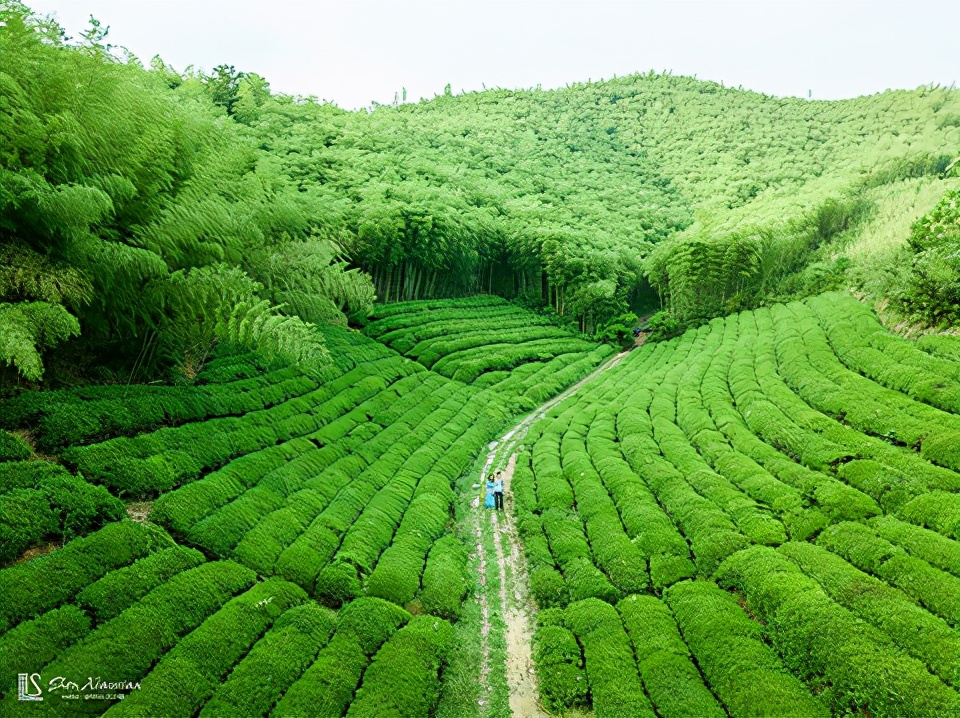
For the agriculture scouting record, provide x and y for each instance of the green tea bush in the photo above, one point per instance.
(274, 663)
(646, 524)
(181, 509)
(13, 447)
(194, 668)
(444, 582)
(337, 584)
(928, 545)
(467, 365)
(397, 574)
(262, 545)
(222, 530)
(937, 510)
(33, 644)
(404, 677)
(27, 590)
(27, 474)
(612, 549)
(744, 672)
(43, 501)
(925, 637)
(67, 418)
(120, 589)
(169, 457)
(615, 687)
(563, 682)
(25, 519)
(328, 685)
(944, 346)
(823, 642)
(472, 336)
(937, 590)
(862, 344)
(713, 536)
(302, 560)
(126, 647)
(669, 674)
(891, 488)
(548, 587)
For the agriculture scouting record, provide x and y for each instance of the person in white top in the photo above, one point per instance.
(498, 491)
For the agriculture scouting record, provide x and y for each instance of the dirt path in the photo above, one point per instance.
(517, 610)
(516, 606)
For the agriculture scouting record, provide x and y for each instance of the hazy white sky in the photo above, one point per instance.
(356, 52)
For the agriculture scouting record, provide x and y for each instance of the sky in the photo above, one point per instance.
(359, 52)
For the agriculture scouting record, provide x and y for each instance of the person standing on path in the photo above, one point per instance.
(488, 501)
(498, 491)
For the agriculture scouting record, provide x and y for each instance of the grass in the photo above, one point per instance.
(873, 252)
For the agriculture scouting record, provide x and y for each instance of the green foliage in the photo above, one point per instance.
(672, 680)
(59, 419)
(35, 643)
(129, 208)
(13, 447)
(328, 685)
(187, 675)
(404, 677)
(127, 647)
(274, 663)
(563, 683)
(120, 589)
(27, 592)
(25, 518)
(664, 325)
(927, 638)
(29, 328)
(200, 223)
(931, 290)
(444, 578)
(946, 346)
(825, 643)
(337, 584)
(618, 329)
(221, 304)
(746, 674)
(483, 341)
(615, 687)
(27, 474)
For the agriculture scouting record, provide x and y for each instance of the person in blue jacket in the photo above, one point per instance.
(498, 491)
(489, 501)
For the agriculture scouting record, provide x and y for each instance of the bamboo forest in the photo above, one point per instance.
(635, 397)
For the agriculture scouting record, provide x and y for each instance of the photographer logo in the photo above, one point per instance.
(28, 687)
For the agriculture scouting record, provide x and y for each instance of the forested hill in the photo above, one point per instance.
(485, 190)
(148, 213)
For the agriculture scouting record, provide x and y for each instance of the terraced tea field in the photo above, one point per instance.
(760, 517)
(487, 342)
(337, 491)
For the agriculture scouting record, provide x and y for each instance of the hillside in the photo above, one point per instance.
(259, 357)
(523, 357)
(184, 209)
(755, 510)
(799, 464)
(565, 193)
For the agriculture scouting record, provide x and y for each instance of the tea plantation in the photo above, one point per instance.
(759, 517)
(300, 556)
(488, 342)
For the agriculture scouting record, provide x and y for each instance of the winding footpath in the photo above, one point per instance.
(513, 597)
